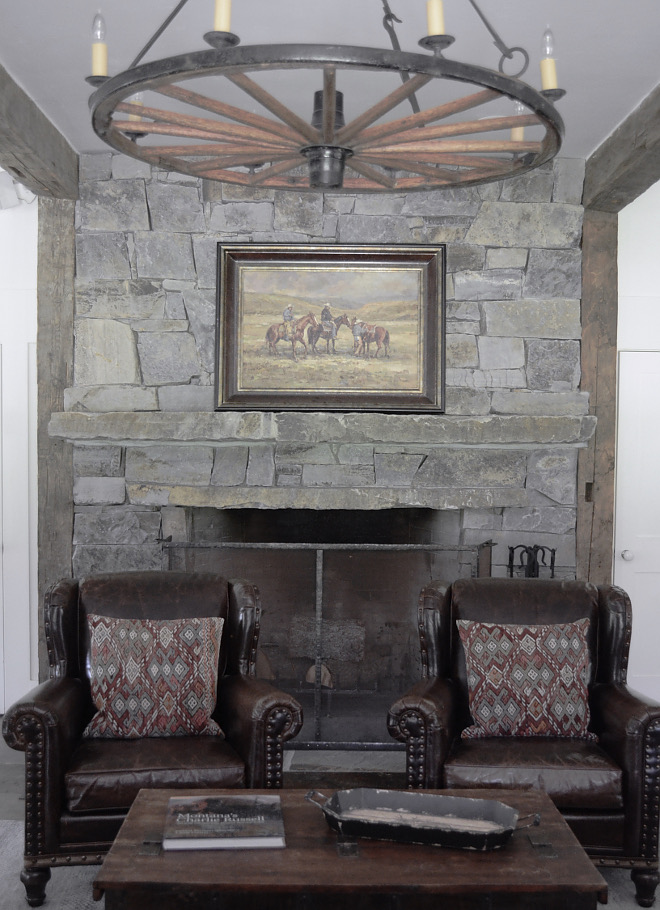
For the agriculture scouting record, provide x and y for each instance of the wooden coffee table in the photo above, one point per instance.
(541, 867)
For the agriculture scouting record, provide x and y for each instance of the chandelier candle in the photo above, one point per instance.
(99, 47)
(435, 17)
(548, 63)
(222, 20)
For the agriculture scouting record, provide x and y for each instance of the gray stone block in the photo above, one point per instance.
(174, 308)
(298, 212)
(486, 379)
(239, 217)
(102, 256)
(569, 180)
(260, 467)
(116, 525)
(554, 273)
(346, 475)
(374, 229)
(501, 353)
(139, 299)
(462, 257)
(482, 519)
(288, 475)
(559, 404)
(161, 255)
(473, 468)
(94, 560)
(186, 398)
(229, 466)
(533, 318)
(455, 201)
(553, 365)
(551, 520)
(468, 310)
(466, 402)
(169, 464)
(175, 208)
(507, 258)
(92, 491)
(127, 168)
(98, 461)
(355, 454)
(105, 398)
(299, 453)
(378, 204)
(97, 166)
(499, 284)
(174, 523)
(535, 224)
(553, 473)
(337, 204)
(534, 186)
(168, 357)
(105, 353)
(235, 192)
(205, 249)
(396, 470)
(113, 206)
(462, 351)
(200, 307)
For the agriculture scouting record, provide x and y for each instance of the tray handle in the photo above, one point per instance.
(533, 823)
(309, 796)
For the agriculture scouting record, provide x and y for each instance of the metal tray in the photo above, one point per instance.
(419, 818)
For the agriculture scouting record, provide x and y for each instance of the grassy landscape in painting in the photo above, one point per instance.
(259, 370)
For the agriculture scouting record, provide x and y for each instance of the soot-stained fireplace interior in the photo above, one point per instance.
(339, 594)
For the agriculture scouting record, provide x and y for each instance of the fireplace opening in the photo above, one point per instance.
(339, 592)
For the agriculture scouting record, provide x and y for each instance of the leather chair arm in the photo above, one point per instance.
(46, 724)
(628, 726)
(424, 719)
(257, 719)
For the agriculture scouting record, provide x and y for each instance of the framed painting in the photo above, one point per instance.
(335, 328)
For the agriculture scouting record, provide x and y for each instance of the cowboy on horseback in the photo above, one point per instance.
(287, 315)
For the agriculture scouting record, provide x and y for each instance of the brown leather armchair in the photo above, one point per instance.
(78, 791)
(607, 791)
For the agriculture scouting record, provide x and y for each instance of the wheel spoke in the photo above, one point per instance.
(348, 132)
(271, 104)
(487, 125)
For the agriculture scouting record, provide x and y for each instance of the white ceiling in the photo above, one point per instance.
(607, 51)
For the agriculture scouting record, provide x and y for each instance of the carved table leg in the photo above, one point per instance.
(646, 881)
(35, 881)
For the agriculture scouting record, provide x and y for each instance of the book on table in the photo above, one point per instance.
(223, 822)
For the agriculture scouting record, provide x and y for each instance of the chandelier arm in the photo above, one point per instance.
(371, 173)
(348, 132)
(150, 43)
(217, 128)
(274, 106)
(249, 118)
(492, 124)
(388, 24)
(428, 116)
(507, 52)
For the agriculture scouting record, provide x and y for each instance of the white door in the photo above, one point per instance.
(637, 510)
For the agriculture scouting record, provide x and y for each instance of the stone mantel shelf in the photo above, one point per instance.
(353, 428)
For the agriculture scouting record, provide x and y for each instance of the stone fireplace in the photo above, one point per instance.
(160, 478)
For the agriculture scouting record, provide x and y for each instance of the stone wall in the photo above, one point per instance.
(148, 446)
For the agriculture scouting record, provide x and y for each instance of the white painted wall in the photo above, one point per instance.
(18, 465)
(639, 331)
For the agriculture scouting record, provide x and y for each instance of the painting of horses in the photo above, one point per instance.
(330, 327)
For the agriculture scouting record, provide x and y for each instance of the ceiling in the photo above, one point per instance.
(607, 52)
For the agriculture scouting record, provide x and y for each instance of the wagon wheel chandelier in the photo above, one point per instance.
(175, 114)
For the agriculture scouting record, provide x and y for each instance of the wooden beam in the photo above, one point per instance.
(595, 501)
(628, 162)
(55, 276)
(31, 149)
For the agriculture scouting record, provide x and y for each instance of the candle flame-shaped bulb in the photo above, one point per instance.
(98, 28)
(548, 43)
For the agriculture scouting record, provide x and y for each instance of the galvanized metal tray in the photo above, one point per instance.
(420, 818)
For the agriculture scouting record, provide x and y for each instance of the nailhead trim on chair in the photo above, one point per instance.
(651, 794)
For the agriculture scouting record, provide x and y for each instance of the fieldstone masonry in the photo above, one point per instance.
(148, 446)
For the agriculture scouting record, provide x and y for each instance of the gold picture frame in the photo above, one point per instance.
(304, 327)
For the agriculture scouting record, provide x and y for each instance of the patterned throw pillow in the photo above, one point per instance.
(154, 678)
(527, 680)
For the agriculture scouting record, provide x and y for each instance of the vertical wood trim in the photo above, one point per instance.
(55, 278)
(595, 519)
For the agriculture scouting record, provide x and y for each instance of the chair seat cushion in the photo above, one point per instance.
(575, 774)
(106, 774)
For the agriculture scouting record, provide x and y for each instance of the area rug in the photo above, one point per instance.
(69, 888)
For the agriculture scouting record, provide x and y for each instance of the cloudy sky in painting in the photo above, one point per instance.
(348, 288)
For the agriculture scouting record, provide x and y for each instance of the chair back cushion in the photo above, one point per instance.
(520, 602)
(149, 595)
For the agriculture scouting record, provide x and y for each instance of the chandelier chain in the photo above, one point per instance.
(388, 24)
(507, 52)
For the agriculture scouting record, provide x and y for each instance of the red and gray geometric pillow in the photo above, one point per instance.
(527, 680)
(154, 677)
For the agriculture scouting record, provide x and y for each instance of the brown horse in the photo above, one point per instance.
(379, 335)
(316, 332)
(276, 332)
